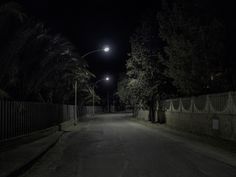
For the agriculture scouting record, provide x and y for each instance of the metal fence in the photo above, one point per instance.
(22, 118)
(223, 103)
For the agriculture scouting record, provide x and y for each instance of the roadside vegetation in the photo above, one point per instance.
(36, 64)
(177, 50)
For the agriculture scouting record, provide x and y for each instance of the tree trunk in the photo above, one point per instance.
(152, 109)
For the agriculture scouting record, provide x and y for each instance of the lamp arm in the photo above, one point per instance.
(98, 82)
(93, 51)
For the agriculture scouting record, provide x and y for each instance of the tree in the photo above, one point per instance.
(146, 68)
(194, 45)
(35, 64)
(124, 92)
(11, 16)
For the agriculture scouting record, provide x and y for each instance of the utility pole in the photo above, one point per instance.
(93, 99)
(75, 117)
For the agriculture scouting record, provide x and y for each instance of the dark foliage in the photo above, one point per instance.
(36, 65)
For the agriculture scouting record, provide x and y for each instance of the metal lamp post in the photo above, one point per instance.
(75, 119)
(105, 49)
(106, 79)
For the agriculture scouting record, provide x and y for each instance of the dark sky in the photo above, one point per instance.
(92, 24)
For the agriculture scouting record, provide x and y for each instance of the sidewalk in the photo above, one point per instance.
(219, 149)
(15, 161)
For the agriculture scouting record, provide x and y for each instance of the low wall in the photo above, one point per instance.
(88, 110)
(142, 114)
(213, 115)
(216, 125)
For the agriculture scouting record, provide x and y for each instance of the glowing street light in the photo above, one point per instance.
(107, 78)
(106, 49)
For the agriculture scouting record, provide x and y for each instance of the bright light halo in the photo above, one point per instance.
(106, 49)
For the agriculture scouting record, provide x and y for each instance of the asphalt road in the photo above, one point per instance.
(113, 146)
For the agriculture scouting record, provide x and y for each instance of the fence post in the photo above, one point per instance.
(231, 105)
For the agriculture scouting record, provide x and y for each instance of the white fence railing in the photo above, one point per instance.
(224, 103)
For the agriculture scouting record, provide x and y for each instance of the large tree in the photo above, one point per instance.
(194, 46)
(145, 67)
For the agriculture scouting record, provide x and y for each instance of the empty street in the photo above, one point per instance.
(112, 145)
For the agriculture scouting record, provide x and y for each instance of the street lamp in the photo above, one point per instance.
(104, 79)
(105, 49)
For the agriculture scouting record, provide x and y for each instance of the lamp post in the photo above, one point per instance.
(105, 49)
(108, 103)
(75, 119)
(106, 79)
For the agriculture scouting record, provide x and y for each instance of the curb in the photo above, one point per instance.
(27, 138)
(63, 126)
(20, 169)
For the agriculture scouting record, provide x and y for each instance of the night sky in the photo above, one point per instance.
(92, 24)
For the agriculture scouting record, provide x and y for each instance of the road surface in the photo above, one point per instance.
(113, 146)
